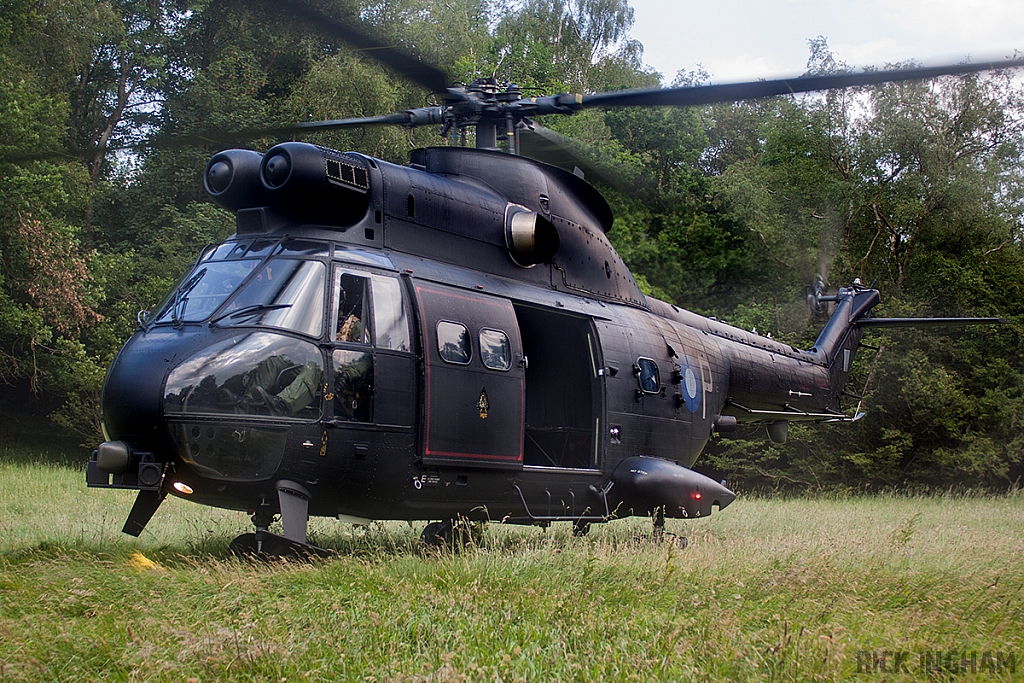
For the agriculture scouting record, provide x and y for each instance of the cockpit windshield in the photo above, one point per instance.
(282, 292)
(286, 293)
(205, 288)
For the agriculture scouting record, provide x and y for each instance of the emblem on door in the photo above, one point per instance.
(482, 404)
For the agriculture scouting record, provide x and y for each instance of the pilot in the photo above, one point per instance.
(259, 382)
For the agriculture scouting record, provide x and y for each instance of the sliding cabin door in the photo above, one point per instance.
(474, 378)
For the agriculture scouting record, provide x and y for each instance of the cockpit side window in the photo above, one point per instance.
(353, 385)
(350, 321)
(370, 309)
(390, 316)
(258, 374)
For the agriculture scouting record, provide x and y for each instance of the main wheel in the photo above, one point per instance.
(437, 535)
(455, 534)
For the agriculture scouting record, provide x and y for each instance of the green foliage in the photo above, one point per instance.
(914, 186)
(562, 45)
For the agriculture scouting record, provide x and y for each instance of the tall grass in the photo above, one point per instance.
(767, 590)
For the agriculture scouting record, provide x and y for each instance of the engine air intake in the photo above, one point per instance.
(232, 179)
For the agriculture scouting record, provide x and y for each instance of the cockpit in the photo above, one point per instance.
(295, 328)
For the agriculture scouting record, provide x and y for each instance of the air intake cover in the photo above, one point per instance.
(530, 237)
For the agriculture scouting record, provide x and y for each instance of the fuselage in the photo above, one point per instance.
(456, 337)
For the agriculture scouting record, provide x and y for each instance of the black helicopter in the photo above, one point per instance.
(455, 339)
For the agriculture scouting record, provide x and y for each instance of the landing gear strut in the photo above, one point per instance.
(293, 500)
(658, 533)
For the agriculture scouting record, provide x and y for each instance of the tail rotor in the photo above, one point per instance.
(814, 297)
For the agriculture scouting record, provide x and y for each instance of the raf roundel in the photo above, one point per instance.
(690, 384)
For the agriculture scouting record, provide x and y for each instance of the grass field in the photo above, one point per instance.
(869, 588)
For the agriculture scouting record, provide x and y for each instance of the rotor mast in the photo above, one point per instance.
(492, 110)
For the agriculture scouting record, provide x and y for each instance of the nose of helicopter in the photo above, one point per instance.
(130, 401)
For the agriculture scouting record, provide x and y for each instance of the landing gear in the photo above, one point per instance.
(245, 546)
(293, 500)
(453, 534)
(264, 545)
(658, 535)
(437, 535)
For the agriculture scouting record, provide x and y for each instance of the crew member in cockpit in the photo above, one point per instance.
(350, 310)
(260, 382)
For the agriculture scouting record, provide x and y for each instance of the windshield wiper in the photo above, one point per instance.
(246, 311)
(181, 296)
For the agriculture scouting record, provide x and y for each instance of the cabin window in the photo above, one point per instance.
(453, 343)
(647, 375)
(350, 322)
(390, 317)
(353, 385)
(495, 350)
(285, 293)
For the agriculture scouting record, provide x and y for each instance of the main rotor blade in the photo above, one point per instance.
(430, 77)
(397, 119)
(229, 137)
(544, 144)
(226, 138)
(927, 322)
(734, 92)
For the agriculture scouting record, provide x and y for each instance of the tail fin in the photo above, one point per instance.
(838, 341)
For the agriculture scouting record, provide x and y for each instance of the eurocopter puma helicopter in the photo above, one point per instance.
(452, 339)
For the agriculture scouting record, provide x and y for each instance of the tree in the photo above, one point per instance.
(554, 45)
